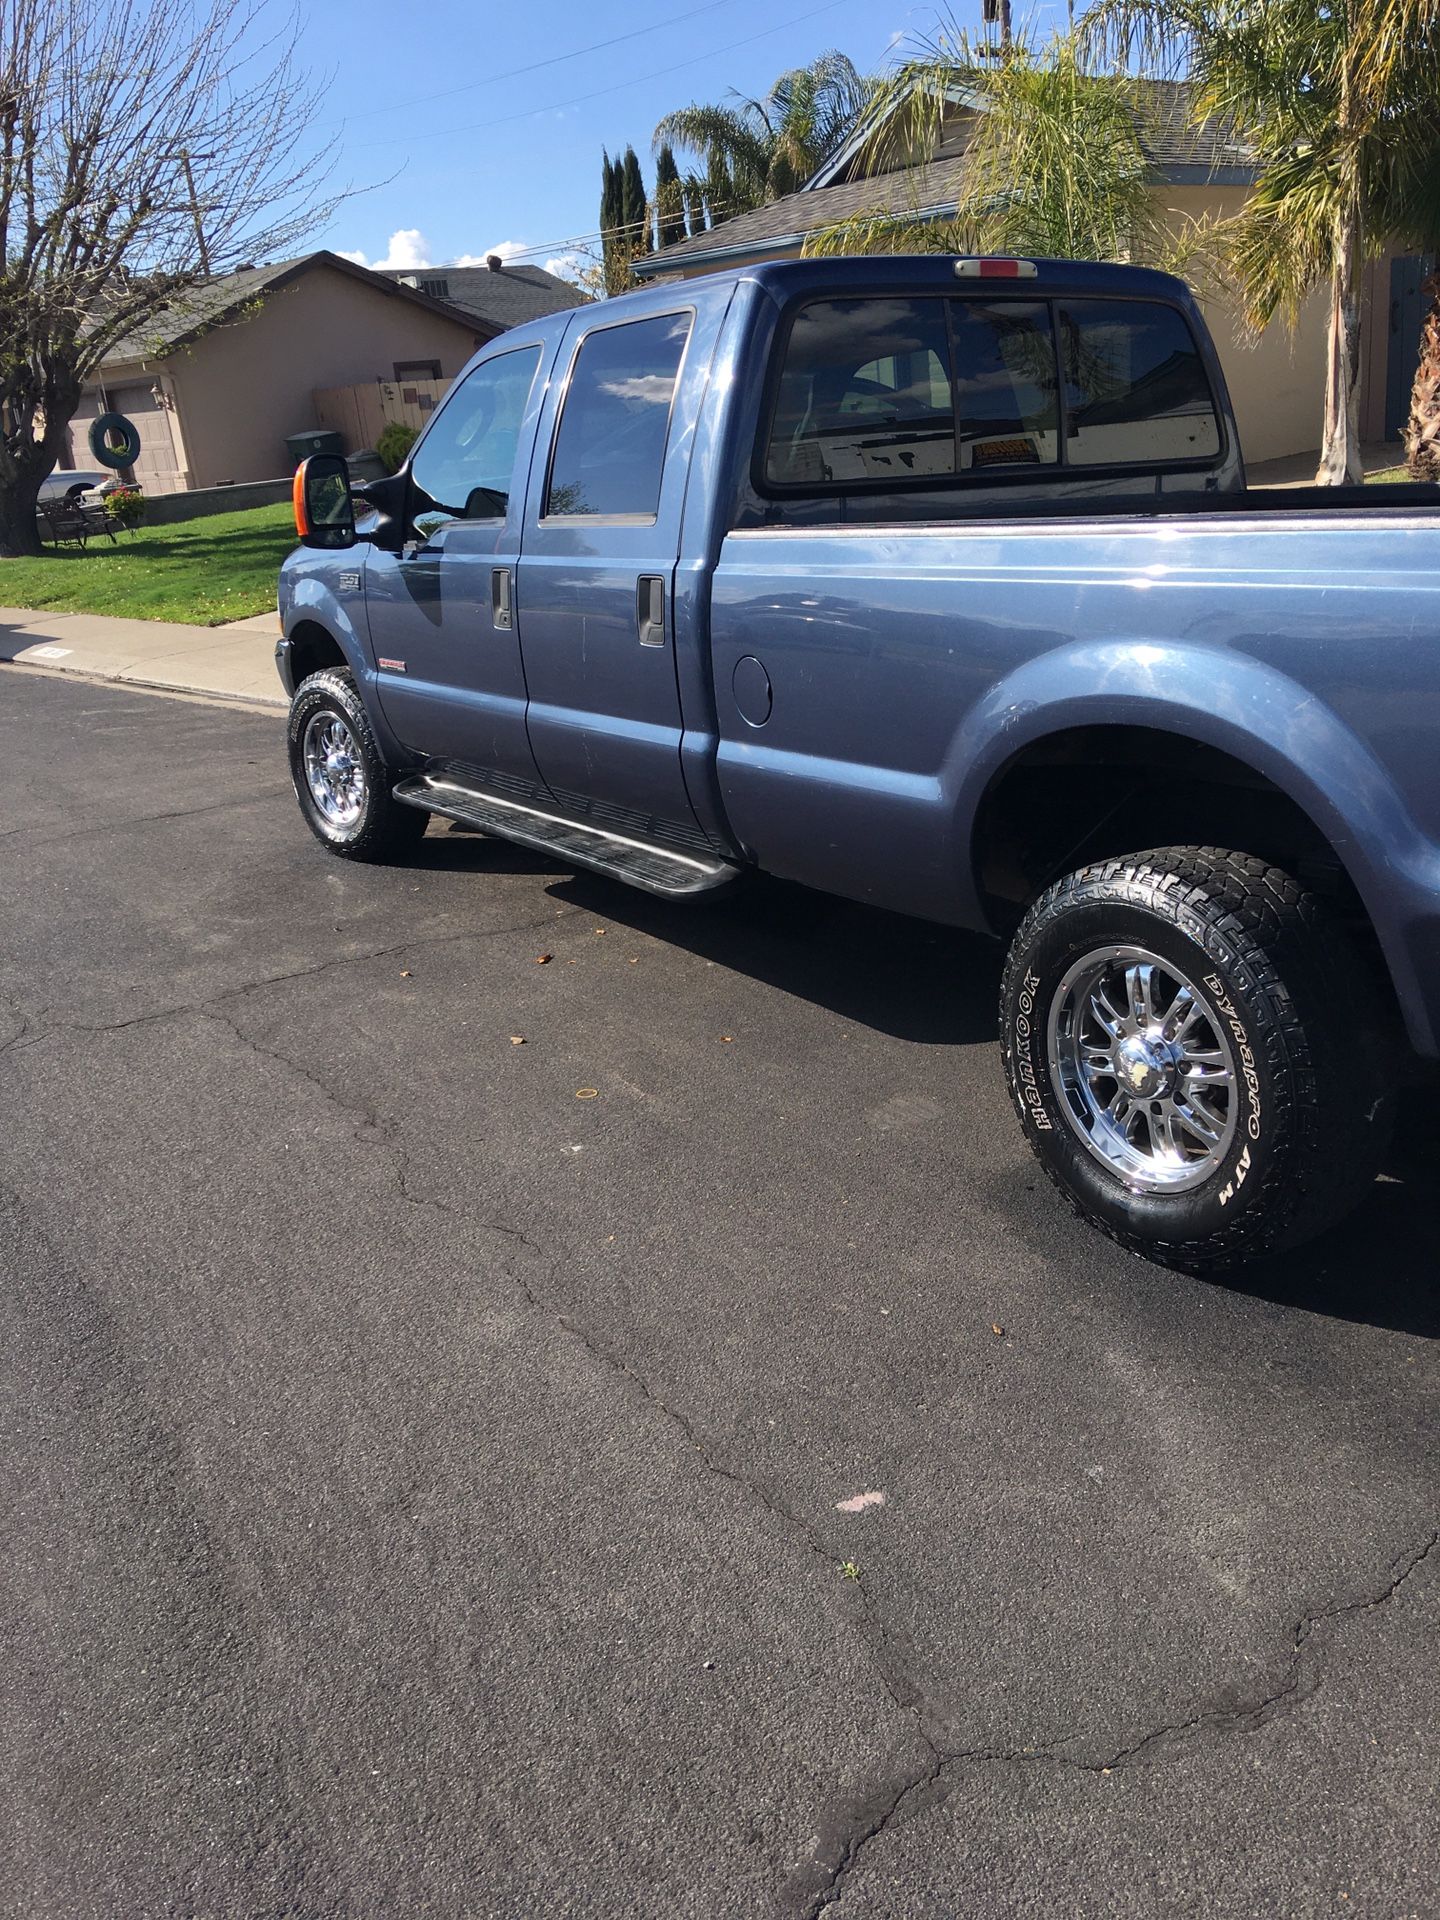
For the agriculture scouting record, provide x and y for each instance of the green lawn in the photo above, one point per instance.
(202, 571)
(1390, 476)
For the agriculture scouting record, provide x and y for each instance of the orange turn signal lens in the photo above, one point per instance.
(297, 496)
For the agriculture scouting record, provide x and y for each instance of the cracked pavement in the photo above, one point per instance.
(422, 1489)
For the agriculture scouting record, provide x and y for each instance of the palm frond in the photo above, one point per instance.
(1054, 163)
(1152, 38)
(772, 145)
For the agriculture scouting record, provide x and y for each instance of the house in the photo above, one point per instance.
(498, 294)
(1276, 382)
(216, 382)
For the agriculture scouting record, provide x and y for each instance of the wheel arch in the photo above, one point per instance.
(1292, 781)
(1089, 792)
(313, 648)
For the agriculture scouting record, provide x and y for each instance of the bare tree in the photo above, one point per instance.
(145, 145)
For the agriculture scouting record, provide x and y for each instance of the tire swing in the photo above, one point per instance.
(114, 440)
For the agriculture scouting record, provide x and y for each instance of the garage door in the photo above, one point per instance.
(79, 455)
(157, 469)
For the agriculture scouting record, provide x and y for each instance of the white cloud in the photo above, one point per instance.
(505, 249)
(408, 249)
(409, 252)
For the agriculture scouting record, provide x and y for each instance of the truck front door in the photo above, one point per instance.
(597, 573)
(441, 612)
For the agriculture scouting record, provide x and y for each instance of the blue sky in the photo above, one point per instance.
(478, 156)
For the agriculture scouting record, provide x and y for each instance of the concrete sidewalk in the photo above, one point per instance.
(236, 661)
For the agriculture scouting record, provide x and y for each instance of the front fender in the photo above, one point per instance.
(327, 590)
(1272, 724)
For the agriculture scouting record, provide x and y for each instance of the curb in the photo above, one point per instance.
(254, 702)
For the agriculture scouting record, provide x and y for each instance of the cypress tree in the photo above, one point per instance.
(719, 190)
(669, 204)
(693, 201)
(611, 212)
(635, 214)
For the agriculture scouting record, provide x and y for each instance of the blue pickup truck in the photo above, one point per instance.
(935, 583)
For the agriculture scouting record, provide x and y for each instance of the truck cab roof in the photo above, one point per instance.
(928, 272)
(785, 280)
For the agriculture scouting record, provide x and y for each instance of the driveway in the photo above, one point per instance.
(743, 1492)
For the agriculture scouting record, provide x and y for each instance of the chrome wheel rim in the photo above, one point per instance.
(1142, 1066)
(334, 769)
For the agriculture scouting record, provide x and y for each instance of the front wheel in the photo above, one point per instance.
(340, 778)
(1195, 1053)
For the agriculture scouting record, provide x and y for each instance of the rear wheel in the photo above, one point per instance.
(1197, 1055)
(340, 778)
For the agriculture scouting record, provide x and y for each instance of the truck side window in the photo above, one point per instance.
(1135, 386)
(463, 467)
(610, 448)
(864, 394)
(1005, 397)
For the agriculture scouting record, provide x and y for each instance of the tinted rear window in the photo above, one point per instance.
(864, 394)
(1005, 384)
(876, 390)
(610, 450)
(1135, 388)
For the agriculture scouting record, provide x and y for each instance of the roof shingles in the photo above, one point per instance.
(227, 296)
(503, 297)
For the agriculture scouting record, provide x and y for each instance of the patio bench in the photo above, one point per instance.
(69, 519)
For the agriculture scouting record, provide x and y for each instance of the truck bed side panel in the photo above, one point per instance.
(907, 666)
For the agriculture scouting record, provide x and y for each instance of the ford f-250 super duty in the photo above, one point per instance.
(935, 583)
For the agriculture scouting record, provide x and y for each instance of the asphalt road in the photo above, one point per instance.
(424, 1491)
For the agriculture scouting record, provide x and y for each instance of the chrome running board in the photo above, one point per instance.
(641, 863)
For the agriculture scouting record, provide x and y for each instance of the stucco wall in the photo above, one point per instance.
(1276, 381)
(242, 388)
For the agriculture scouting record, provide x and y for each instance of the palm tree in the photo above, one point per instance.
(1340, 101)
(1422, 431)
(1054, 163)
(760, 149)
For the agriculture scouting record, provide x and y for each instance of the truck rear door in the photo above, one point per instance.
(853, 631)
(595, 586)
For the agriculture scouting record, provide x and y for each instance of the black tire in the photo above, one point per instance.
(1282, 992)
(370, 824)
(114, 441)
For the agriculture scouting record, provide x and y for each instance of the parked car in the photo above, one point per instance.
(935, 583)
(90, 484)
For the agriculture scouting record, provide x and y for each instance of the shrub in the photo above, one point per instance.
(127, 505)
(394, 444)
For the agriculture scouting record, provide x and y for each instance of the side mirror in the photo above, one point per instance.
(324, 504)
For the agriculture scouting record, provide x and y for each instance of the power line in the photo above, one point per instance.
(598, 93)
(553, 60)
(718, 212)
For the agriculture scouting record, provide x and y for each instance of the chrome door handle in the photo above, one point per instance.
(650, 609)
(501, 612)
